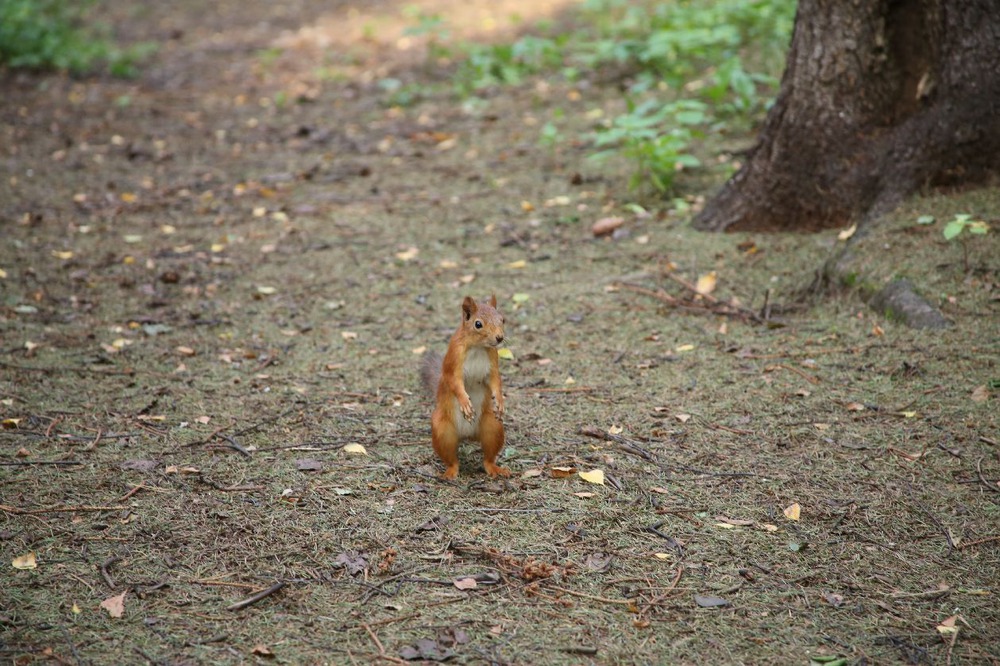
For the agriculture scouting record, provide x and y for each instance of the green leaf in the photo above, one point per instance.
(953, 229)
(925, 219)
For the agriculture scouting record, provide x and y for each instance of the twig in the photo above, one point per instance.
(97, 439)
(16, 463)
(626, 445)
(263, 594)
(969, 544)
(58, 509)
(134, 490)
(52, 424)
(107, 575)
(812, 379)
(982, 479)
(568, 389)
(623, 602)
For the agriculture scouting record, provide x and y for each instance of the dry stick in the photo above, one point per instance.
(812, 379)
(624, 602)
(969, 544)
(104, 571)
(982, 479)
(134, 490)
(93, 444)
(673, 585)
(52, 424)
(743, 312)
(263, 594)
(17, 463)
(58, 509)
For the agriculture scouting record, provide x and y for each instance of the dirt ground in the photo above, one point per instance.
(219, 276)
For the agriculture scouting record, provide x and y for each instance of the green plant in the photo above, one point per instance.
(962, 226)
(508, 64)
(41, 34)
(656, 137)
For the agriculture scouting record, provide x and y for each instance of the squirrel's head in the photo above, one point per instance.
(483, 321)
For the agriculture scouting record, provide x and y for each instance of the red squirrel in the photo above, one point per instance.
(468, 389)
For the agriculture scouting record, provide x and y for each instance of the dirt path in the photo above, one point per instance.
(219, 275)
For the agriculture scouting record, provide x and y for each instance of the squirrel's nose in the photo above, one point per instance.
(499, 339)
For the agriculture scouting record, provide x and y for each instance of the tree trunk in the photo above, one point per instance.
(879, 98)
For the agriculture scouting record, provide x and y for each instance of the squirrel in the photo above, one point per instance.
(467, 386)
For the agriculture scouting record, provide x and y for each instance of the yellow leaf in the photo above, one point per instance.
(76, 609)
(68, 254)
(505, 354)
(725, 526)
(706, 283)
(662, 556)
(419, 350)
(26, 561)
(355, 448)
(520, 263)
(847, 233)
(615, 430)
(793, 511)
(448, 263)
(684, 348)
(217, 247)
(10, 424)
(527, 206)
(266, 291)
(569, 381)
(129, 197)
(168, 229)
(593, 476)
(409, 254)
(947, 626)
(185, 351)
(115, 605)
(907, 415)
(3, 274)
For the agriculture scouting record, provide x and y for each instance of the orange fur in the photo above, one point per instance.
(470, 401)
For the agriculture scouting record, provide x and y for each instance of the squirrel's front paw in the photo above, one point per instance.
(466, 405)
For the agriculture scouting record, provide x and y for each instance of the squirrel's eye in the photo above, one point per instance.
(479, 324)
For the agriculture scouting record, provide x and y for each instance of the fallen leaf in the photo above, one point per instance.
(531, 473)
(308, 465)
(981, 394)
(266, 291)
(467, 583)
(706, 283)
(10, 424)
(710, 602)
(595, 476)
(356, 449)
(520, 263)
(768, 527)
(662, 491)
(835, 600)
(349, 335)
(262, 650)
(878, 331)
(185, 351)
(409, 254)
(684, 348)
(562, 472)
(419, 350)
(793, 511)
(505, 354)
(26, 561)
(615, 430)
(725, 526)
(520, 298)
(855, 407)
(947, 626)
(662, 556)
(847, 233)
(606, 225)
(115, 605)
(583, 495)
(22, 453)
(175, 469)
(76, 609)
(683, 418)
(203, 419)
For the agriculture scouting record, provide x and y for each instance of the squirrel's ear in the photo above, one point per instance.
(468, 307)
(493, 300)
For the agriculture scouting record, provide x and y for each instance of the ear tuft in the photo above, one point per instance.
(493, 300)
(468, 307)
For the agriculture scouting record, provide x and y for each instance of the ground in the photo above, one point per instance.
(220, 275)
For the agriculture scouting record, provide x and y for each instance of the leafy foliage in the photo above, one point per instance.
(41, 34)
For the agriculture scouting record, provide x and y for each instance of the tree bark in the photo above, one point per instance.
(879, 98)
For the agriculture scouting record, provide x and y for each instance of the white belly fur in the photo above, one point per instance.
(475, 374)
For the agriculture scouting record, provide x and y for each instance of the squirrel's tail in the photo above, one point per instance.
(430, 372)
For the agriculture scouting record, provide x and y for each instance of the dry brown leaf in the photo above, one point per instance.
(115, 605)
(562, 472)
(706, 283)
(981, 393)
(606, 225)
(467, 583)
